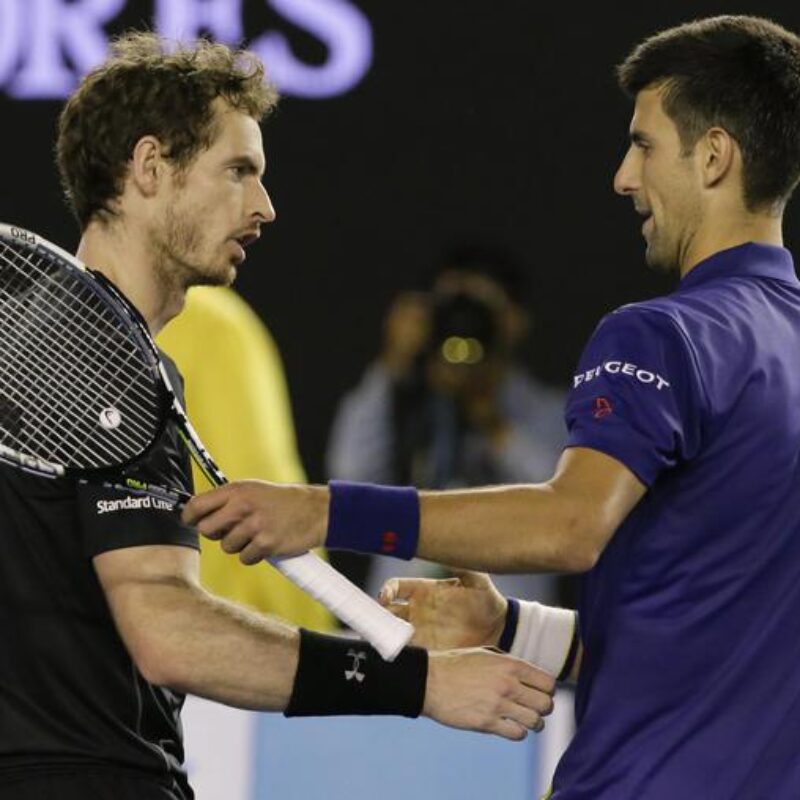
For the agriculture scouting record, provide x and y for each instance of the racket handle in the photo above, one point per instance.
(385, 632)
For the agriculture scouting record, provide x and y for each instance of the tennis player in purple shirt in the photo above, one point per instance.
(679, 492)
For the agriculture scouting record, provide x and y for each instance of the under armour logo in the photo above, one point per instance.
(358, 656)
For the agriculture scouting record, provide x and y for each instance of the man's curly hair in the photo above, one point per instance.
(149, 87)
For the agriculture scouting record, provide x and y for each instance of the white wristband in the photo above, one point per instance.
(544, 636)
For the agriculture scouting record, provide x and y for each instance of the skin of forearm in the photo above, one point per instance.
(533, 528)
(562, 525)
(183, 637)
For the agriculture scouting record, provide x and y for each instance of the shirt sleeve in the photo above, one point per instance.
(112, 519)
(637, 394)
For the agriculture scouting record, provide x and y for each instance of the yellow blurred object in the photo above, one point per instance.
(458, 350)
(237, 399)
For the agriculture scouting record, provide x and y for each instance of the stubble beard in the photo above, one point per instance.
(660, 259)
(666, 248)
(179, 246)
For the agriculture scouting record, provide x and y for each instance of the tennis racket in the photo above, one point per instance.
(84, 394)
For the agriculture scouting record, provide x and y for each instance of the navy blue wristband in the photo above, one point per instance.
(510, 628)
(569, 662)
(373, 519)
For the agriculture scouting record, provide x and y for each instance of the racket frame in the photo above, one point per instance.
(129, 316)
(386, 633)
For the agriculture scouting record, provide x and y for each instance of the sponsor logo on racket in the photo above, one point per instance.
(23, 235)
(355, 673)
(110, 419)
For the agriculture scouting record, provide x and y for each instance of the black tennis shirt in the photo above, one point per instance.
(70, 695)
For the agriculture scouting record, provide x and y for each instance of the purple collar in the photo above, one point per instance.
(750, 260)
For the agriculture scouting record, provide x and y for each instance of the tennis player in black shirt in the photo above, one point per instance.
(103, 622)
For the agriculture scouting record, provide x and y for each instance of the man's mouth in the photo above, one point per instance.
(646, 214)
(243, 241)
(247, 238)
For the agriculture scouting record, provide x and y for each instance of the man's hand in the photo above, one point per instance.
(466, 611)
(258, 519)
(487, 692)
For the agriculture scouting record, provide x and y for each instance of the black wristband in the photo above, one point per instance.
(347, 676)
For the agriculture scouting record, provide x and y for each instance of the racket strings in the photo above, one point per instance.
(54, 418)
(84, 378)
(97, 336)
(75, 388)
(103, 317)
(55, 415)
(77, 384)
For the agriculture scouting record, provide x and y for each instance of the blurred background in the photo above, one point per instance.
(405, 130)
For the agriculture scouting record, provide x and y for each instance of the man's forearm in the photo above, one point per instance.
(531, 528)
(558, 526)
(562, 525)
(185, 638)
(181, 636)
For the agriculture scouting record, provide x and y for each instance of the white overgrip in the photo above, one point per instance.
(385, 632)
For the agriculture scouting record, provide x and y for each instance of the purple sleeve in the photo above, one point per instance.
(637, 394)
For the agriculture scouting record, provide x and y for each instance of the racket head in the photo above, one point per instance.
(82, 391)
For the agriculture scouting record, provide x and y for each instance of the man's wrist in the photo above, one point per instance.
(321, 510)
(509, 629)
(543, 635)
(368, 518)
(339, 676)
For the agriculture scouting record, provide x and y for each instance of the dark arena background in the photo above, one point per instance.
(404, 128)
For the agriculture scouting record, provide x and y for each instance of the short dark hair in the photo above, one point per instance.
(740, 73)
(149, 86)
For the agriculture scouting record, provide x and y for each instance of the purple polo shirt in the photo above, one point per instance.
(690, 683)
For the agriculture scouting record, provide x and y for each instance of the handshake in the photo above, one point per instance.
(464, 622)
(465, 617)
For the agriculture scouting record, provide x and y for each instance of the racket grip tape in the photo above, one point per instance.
(385, 632)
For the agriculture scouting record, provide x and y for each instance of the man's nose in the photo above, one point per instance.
(626, 180)
(264, 207)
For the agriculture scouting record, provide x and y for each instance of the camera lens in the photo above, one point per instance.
(464, 328)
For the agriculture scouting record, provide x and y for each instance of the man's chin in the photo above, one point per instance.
(221, 277)
(659, 262)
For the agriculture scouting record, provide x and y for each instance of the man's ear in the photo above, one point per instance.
(147, 165)
(718, 151)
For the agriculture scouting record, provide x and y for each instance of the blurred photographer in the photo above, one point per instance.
(447, 404)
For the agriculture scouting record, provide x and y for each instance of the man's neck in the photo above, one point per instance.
(737, 230)
(125, 258)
